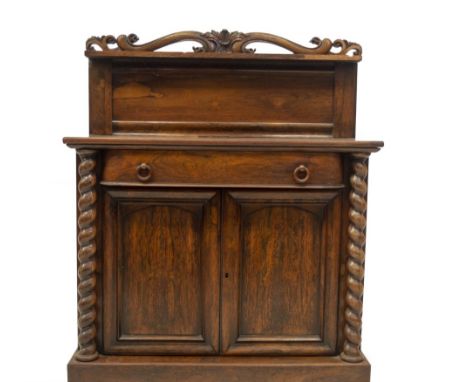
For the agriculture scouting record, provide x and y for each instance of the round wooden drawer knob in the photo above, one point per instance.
(301, 174)
(144, 172)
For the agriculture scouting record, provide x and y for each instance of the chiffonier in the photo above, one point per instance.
(221, 212)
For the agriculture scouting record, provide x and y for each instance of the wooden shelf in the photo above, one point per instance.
(247, 142)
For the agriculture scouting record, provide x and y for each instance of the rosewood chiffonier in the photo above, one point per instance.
(221, 212)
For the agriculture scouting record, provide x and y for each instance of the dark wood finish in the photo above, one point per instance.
(217, 369)
(216, 57)
(228, 143)
(161, 272)
(280, 261)
(318, 99)
(345, 100)
(100, 97)
(136, 89)
(221, 212)
(220, 168)
(225, 41)
(87, 264)
(236, 98)
(355, 261)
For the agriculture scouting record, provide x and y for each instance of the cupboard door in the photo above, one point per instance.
(161, 272)
(280, 272)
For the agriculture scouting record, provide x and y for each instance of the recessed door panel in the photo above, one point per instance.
(159, 265)
(280, 283)
(280, 265)
(162, 275)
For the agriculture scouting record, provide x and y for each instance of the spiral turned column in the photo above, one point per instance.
(87, 257)
(355, 261)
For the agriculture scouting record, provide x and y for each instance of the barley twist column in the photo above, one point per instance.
(87, 257)
(355, 261)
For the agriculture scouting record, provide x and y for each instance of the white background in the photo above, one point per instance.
(412, 94)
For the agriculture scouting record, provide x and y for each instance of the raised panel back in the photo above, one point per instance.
(162, 98)
(245, 98)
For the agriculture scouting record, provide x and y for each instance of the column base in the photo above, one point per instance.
(217, 369)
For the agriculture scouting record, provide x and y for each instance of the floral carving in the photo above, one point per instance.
(223, 41)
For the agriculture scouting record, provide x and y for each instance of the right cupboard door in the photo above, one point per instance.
(280, 272)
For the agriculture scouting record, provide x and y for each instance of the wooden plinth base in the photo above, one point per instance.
(217, 369)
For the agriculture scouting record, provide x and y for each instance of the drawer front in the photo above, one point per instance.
(216, 168)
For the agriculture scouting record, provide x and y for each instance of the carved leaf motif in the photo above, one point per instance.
(223, 41)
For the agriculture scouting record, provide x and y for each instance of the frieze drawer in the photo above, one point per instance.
(217, 168)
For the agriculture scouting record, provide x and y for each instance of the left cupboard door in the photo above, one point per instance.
(160, 272)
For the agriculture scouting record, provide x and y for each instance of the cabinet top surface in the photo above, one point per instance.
(223, 45)
(214, 142)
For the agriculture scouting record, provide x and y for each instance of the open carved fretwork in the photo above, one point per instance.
(228, 42)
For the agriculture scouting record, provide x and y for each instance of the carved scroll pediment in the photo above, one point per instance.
(226, 42)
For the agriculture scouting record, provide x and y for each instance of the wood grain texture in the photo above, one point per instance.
(280, 262)
(216, 241)
(276, 302)
(223, 95)
(355, 262)
(168, 93)
(216, 369)
(161, 280)
(217, 168)
(235, 142)
(217, 58)
(345, 100)
(318, 129)
(100, 97)
(228, 42)
(87, 348)
(163, 244)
